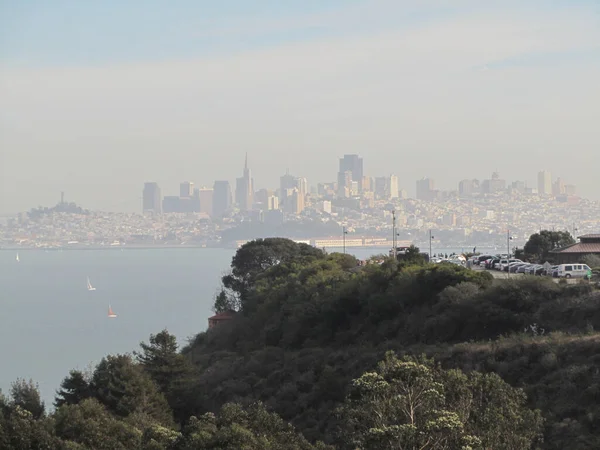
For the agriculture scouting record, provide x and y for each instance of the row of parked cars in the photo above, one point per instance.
(514, 265)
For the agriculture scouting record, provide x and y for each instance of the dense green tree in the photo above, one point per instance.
(73, 389)
(20, 430)
(413, 404)
(402, 406)
(223, 302)
(234, 427)
(540, 244)
(91, 426)
(412, 256)
(161, 360)
(26, 394)
(255, 257)
(124, 388)
(169, 369)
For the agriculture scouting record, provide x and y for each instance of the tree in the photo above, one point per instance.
(124, 388)
(540, 244)
(26, 394)
(91, 426)
(412, 403)
(412, 256)
(223, 302)
(234, 427)
(255, 257)
(591, 260)
(74, 389)
(402, 406)
(169, 369)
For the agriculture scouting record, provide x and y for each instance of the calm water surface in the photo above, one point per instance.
(50, 323)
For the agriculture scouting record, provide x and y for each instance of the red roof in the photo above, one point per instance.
(583, 248)
(223, 316)
(590, 236)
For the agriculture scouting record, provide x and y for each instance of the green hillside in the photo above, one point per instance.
(324, 352)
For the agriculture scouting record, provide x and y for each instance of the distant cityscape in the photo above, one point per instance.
(478, 213)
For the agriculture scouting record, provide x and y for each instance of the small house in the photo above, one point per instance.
(220, 318)
(589, 244)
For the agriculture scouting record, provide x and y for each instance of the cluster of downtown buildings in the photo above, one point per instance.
(293, 195)
(477, 213)
(351, 190)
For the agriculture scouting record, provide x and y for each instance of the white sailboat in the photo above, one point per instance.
(18, 258)
(111, 314)
(89, 285)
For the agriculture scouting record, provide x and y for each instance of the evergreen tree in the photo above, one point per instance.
(74, 389)
(124, 388)
(170, 370)
(26, 395)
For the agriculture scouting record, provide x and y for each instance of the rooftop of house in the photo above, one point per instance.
(225, 315)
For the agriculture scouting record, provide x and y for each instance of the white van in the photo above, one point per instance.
(573, 270)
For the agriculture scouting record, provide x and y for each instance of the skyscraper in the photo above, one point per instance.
(186, 189)
(353, 164)
(393, 186)
(151, 198)
(425, 189)
(221, 198)
(544, 183)
(244, 189)
(287, 183)
(205, 197)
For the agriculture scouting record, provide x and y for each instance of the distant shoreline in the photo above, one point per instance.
(181, 247)
(149, 247)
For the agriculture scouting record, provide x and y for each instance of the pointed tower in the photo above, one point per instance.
(244, 190)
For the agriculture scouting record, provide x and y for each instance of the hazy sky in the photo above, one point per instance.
(98, 97)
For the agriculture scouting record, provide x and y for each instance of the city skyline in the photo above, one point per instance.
(182, 92)
(294, 193)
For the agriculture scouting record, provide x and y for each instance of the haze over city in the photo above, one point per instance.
(95, 103)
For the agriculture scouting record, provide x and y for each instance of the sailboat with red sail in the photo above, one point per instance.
(111, 314)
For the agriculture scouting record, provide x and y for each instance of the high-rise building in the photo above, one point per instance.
(558, 187)
(467, 188)
(171, 204)
(368, 184)
(272, 202)
(544, 183)
(344, 185)
(393, 186)
(386, 188)
(297, 201)
(221, 197)
(186, 189)
(493, 185)
(425, 189)
(244, 189)
(151, 198)
(205, 197)
(353, 164)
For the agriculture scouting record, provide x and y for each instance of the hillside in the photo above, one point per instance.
(309, 345)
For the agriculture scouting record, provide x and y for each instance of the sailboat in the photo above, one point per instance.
(89, 285)
(18, 258)
(111, 314)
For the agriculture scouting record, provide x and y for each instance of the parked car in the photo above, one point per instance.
(504, 267)
(493, 263)
(523, 268)
(514, 266)
(573, 270)
(482, 259)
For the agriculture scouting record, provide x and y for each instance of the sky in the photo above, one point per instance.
(97, 98)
